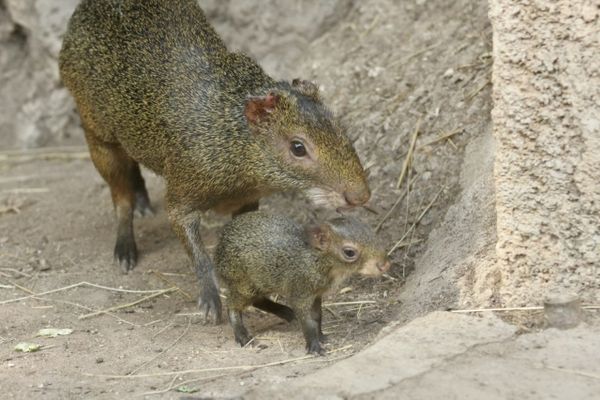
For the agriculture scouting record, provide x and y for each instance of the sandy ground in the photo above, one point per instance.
(63, 234)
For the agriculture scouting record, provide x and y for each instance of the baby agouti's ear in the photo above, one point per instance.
(318, 236)
(259, 107)
(307, 88)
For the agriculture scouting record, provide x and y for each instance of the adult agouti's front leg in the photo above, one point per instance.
(187, 227)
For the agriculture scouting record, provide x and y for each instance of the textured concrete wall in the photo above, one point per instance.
(546, 117)
(38, 111)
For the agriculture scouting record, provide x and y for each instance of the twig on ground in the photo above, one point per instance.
(441, 138)
(26, 191)
(530, 308)
(16, 271)
(187, 328)
(75, 285)
(24, 157)
(416, 222)
(83, 308)
(408, 160)
(574, 372)
(215, 369)
(173, 284)
(348, 303)
(133, 303)
(398, 201)
(172, 385)
(479, 89)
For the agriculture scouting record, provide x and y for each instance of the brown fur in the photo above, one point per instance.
(155, 85)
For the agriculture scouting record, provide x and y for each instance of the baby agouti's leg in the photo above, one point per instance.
(119, 171)
(186, 224)
(310, 327)
(246, 208)
(283, 312)
(239, 330)
(317, 314)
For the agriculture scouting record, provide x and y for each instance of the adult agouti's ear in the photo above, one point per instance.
(318, 236)
(258, 108)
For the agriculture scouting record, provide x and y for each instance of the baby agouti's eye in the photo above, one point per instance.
(297, 148)
(350, 254)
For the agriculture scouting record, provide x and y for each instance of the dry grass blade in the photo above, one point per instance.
(172, 384)
(216, 369)
(413, 226)
(47, 155)
(133, 303)
(160, 276)
(441, 138)
(349, 303)
(187, 328)
(531, 308)
(574, 372)
(479, 89)
(79, 284)
(396, 203)
(408, 160)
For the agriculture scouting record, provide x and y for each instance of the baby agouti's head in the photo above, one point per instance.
(352, 244)
(306, 146)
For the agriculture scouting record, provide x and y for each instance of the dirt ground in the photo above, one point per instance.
(395, 66)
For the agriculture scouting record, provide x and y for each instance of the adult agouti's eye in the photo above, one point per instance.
(350, 254)
(297, 148)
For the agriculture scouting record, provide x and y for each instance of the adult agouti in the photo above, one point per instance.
(261, 255)
(155, 85)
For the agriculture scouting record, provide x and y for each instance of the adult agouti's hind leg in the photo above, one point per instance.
(142, 200)
(120, 172)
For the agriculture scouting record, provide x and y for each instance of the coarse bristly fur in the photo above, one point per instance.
(261, 255)
(155, 85)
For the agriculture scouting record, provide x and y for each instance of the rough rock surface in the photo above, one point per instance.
(546, 78)
(454, 356)
(36, 109)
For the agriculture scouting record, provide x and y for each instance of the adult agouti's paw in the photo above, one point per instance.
(315, 348)
(125, 254)
(209, 304)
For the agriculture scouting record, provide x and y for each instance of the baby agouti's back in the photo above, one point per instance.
(259, 252)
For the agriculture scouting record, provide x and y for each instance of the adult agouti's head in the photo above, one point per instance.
(307, 146)
(353, 244)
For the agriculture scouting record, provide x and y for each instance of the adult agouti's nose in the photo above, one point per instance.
(357, 198)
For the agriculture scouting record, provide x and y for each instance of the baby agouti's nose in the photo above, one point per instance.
(384, 266)
(357, 198)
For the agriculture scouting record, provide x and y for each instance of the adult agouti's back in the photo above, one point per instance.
(155, 85)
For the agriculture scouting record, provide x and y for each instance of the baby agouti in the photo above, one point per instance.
(155, 85)
(261, 255)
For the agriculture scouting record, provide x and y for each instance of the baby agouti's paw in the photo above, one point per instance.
(209, 304)
(315, 348)
(243, 338)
